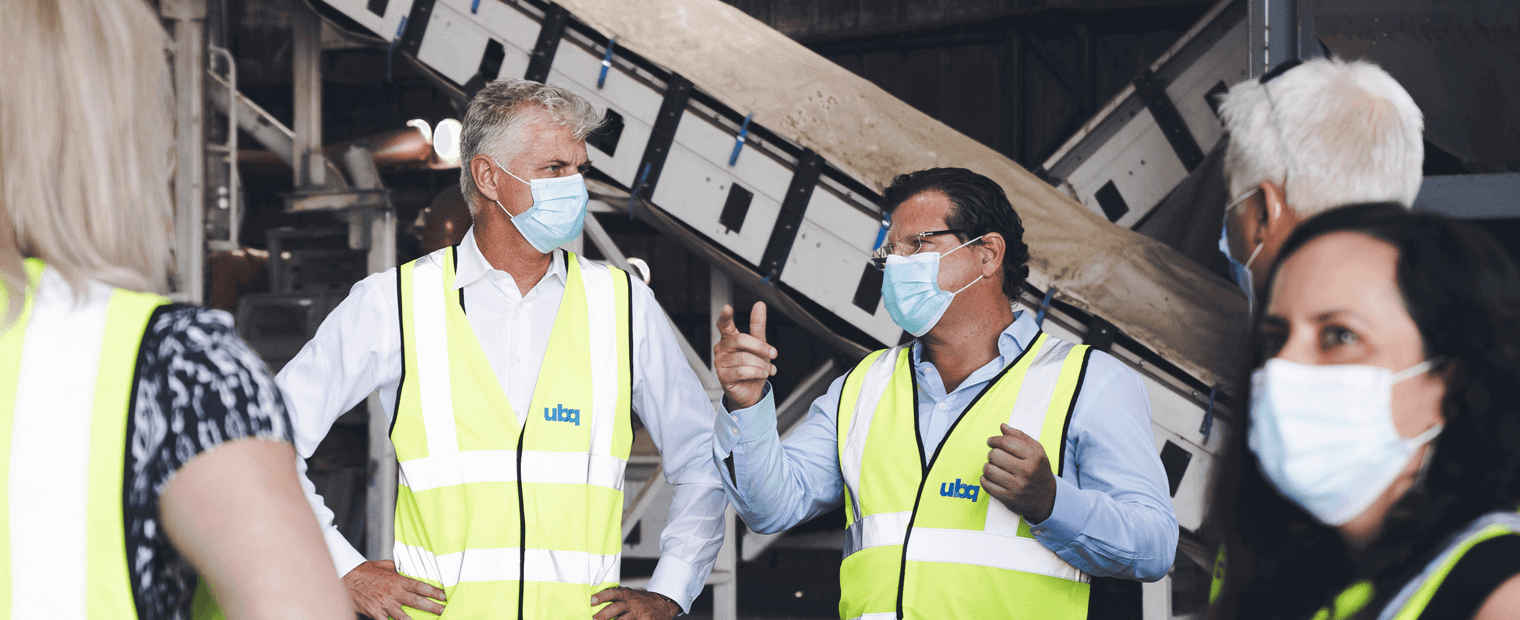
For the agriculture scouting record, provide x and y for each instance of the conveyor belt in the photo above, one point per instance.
(684, 79)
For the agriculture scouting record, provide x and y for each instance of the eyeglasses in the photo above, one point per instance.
(915, 242)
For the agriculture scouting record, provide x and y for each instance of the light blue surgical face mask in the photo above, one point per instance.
(557, 214)
(1324, 435)
(910, 288)
(1240, 272)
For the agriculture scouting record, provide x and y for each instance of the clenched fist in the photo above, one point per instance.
(743, 361)
(1018, 474)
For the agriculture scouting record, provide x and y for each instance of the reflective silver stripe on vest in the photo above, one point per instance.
(432, 340)
(1510, 520)
(877, 381)
(983, 549)
(451, 569)
(50, 450)
(500, 466)
(1028, 415)
(887, 528)
(891, 615)
(601, 309)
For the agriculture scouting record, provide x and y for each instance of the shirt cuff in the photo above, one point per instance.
(678, 580)
(1067, 517)
(746, 424)
(344, 556)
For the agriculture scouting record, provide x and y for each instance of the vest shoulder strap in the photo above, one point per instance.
(1418, 595)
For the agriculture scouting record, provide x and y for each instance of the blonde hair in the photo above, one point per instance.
(1338, 132)
(494, 122)
(86, 141)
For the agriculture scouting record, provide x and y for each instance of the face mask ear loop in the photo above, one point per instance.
(1415, 370)
(968, 285)
(509, 172)
(978, 278)
(504, 209)
(978, 238)
(1254, 252)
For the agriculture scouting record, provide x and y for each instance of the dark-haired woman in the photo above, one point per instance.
(1378, 474)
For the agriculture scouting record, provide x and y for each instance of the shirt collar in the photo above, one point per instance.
(472, 265)
(1011, 342)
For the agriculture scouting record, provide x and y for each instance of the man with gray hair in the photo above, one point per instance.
(501, 511)
(1306, 138)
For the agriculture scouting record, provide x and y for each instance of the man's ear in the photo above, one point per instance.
(1277, 216)
(993, 246)
(486, 176)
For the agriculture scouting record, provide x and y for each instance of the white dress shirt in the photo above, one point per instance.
(357, 350)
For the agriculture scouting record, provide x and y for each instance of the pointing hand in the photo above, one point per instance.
(743, 361)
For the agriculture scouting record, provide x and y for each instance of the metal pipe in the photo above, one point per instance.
(233, 182)
(189, 17)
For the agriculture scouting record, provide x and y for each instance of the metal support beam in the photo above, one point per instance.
(189, 20)
(228, 184)
(377, 227)
(1274, 29)
(603, 241)
(1471, 196)
(310, 170)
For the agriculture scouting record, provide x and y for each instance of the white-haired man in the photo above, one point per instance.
(1309, 137)
(502, 512)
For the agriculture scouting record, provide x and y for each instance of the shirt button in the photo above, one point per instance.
(943, 407)
(734, 431)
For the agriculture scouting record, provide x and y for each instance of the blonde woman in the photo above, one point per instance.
(141, 442)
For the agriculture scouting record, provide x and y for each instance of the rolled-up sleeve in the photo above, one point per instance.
(1113, 514)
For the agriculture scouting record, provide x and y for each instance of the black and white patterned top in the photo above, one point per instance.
(198, 385)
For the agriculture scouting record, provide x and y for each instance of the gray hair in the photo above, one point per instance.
(1338, 132)
(86, 141)
(494, 123)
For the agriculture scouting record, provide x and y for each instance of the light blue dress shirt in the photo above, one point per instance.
(1113, 513)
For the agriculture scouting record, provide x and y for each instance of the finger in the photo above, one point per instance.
(394, 612)
(423, 588)
(389, 565)
(1002, 478)
(1009, 462)
(738, 374)
(1015, 442)
(748, 344)
(425, 604)
(994, 489)
(757, 321)
(614, 610)
(742, 358)
(726, 321)
(607, 596)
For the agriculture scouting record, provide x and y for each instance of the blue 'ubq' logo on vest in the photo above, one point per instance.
(560, 414)
(957, 489)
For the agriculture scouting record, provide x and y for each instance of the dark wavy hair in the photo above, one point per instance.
(1463, 291)
(980, 207)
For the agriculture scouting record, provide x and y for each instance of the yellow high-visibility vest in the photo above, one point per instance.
(1411, 600)
(926, 541)
(66, 371)
(513, 520)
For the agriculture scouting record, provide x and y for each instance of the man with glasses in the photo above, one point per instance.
(986, 469)
(1308, 137)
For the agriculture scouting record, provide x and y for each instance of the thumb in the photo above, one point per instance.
(757, 321)
(726, 321)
